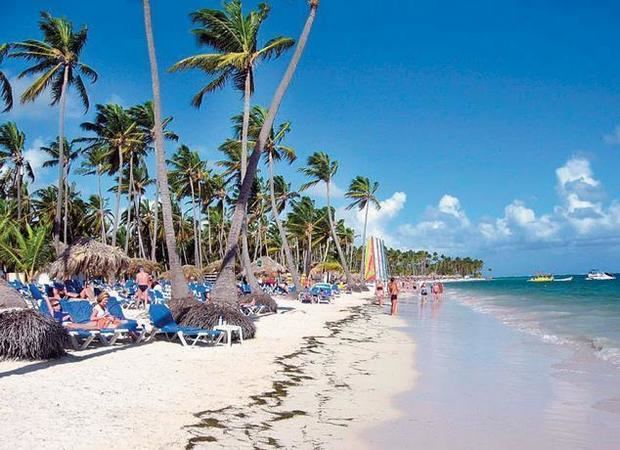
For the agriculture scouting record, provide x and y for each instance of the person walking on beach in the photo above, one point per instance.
(143, 280)
(379, 292)
(393, 290)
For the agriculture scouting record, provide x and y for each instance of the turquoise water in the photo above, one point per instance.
(584, 314)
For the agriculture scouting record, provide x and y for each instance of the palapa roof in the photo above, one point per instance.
(266, 265)
(90, 258)
(9, 297)
(189, 271)
(327, 266)
(150, 266)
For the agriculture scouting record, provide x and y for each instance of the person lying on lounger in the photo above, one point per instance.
(101, 316)
(65, 319)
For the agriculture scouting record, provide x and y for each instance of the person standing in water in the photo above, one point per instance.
(393, 290)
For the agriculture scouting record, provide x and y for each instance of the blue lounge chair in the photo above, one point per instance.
(80, 312)
(80, 339)
(162, 320)
(115, 308)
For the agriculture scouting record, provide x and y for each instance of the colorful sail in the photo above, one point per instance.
(375, 260)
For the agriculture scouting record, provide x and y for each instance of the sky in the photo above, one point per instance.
(493, 128)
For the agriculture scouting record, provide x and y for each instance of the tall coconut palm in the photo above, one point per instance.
(96, 215)
(234, 37)
(321, 169)
(180, 291)
(144, 115)
(57, 59)
(12, 160)
(117, 133)
(186, 170)
(362, 192)
(6, 92)
(302, 222)
(225, 284)
(275, 151)
(96, 163)
(71, 154)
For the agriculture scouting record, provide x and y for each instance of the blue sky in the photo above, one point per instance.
(491, 126)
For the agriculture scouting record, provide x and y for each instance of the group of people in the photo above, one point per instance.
(394, 288)
(100, 317)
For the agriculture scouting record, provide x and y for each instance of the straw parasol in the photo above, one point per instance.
(266, 265)
(189, 271)
(9, 297)
(147, 264)
(327, 266)
(90, 258)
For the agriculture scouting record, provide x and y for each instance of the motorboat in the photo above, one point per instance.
(541, 278)
(563, 279)
(597, 275)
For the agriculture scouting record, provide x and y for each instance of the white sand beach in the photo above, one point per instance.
(315, 375)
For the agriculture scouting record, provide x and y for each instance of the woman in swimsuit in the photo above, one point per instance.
(379, 292)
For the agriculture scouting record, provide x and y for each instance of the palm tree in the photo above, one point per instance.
(144, 115)
(275, 151)
(302, 222)
(234, 37)
(225, 283)
(6, 93)
(12, 158)
(362, 193)
(180, 291)
(321, 169)
(57, 59)
(26, 252)
(96, 215)
(118, 134)
(71, 154)
(96, 163)
(185, 173)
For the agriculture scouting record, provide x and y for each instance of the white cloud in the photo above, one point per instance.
(36, 158)
(318, 191)
(580, 218)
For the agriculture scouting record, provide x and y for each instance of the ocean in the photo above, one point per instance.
(580, 313)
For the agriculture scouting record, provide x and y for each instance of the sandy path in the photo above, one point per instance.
(144, 396)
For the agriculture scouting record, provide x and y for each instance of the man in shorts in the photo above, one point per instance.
(143, 280)
(393, 290)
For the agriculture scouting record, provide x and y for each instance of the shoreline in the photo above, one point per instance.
(159, 395)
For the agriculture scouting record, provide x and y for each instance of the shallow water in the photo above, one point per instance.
(484, 384)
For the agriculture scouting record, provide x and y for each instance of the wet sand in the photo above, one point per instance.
(482, 384)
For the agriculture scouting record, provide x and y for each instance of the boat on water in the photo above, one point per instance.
(597, 275)
(563, 279)
(541, 278)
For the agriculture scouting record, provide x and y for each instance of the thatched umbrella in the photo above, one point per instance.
(90, 258)
(327, 266)
(207, 315)
(9, 297)
(147, 264)
(26, 333)
(266, 265)
(188, 270)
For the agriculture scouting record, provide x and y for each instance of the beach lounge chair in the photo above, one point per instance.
(80, 312)
(252, 309)
(115, 308)
(162, 320)
(80, 339)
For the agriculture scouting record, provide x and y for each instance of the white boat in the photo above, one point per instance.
(597, 275)
(563, 279)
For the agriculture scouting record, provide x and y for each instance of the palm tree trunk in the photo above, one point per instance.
(61, 158)
(138, 225)
(209, 231)
(19, 192)
(224, 289)
(343, 261)
(103, 237)
(180, 292)
(66, 201)
(290, 263)
(309, 255)
(200, 259)
(155, 223)
(362, 265)
(117, 212)
(129, 204)
(194, 220)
